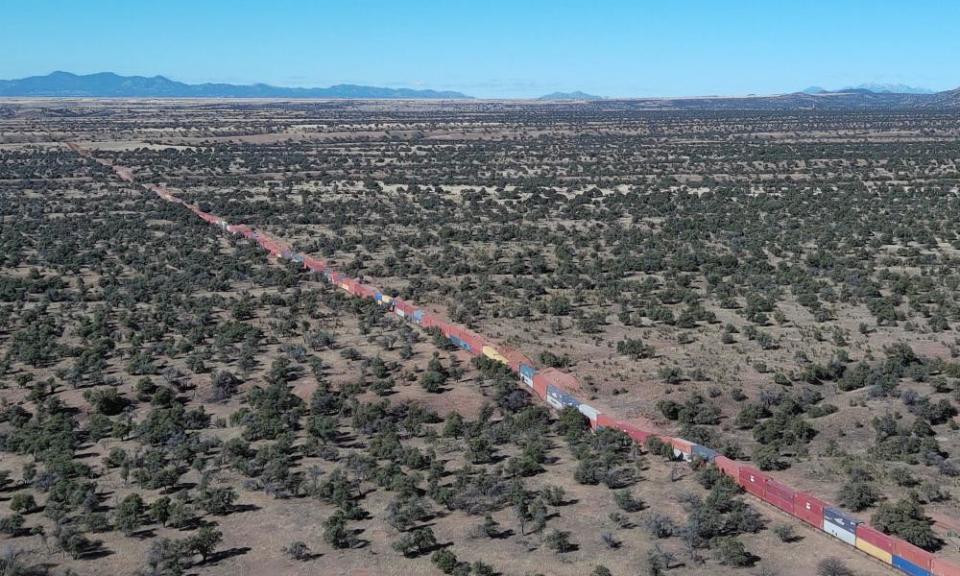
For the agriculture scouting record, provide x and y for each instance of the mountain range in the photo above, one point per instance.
(110, 85)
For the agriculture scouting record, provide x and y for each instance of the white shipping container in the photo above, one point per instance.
(839, 532)
(554, 402)
(527, 381)
(589, 412)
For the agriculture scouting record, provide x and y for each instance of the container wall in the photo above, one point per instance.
(875, 538)
(638, 435)
(729, 467)
(914, 555)
(881, 555)
(839, 532)
(590, 412)
(704, 453)
(841, 518)
(492, 353)
(809, 509)
(778, 494)
(752, 480)
(941, 567)
(527, 373)
(909, 567)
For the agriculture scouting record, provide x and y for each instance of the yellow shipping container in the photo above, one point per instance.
(386, 299)
(492, 354)
(874, 551)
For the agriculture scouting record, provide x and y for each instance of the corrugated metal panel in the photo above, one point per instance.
(808, 508)
(526, 374)
(705, 453)
(941, 567)
(839, 532)
(729, 467)
(841, 518)
(590, 412)
(874, 551)
(778, 494)
(913, 554)
(491, 353)
(909, 567)
(752, 480)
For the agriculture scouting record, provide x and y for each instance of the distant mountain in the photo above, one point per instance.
(870, 89)
(576, 95)
(110, 85)
(891, 89)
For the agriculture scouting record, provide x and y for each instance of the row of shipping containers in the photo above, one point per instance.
(560, 390)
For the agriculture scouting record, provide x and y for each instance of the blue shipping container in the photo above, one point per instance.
(562, 397)
(909, 567)
(707, 454)
(378, 296)
(418, 316)
(527, 373)
(841, 519)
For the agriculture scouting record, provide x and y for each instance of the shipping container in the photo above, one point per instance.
(491, 353)
(681, 448)
(515, 359)
(809, 509)
(912, 554)
(752, 480)
(559, 398)
(841, 525)
(839, 532)
(418, 316)
(909, 567)
(779, 494)
(604, 421)
(559, 379)
(386, 299)
(638, 434)
(540, 387)
(941, 567)
(402, 308)
(729, 467)
(874, 543)
(704, 453)
(590, 412)
(527, 373)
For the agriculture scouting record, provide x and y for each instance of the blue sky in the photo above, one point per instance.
(495, 48)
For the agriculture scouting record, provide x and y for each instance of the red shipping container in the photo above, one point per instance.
(778, 494)
(474, 340)
(941, 567)
(752, 480)
(639, 436)
(540, 385)
(729, 467)
(875, 537)
(313, 264)
(809, 509)
(515, 359)
(429, 320)
(606, 421)
(913, 554)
